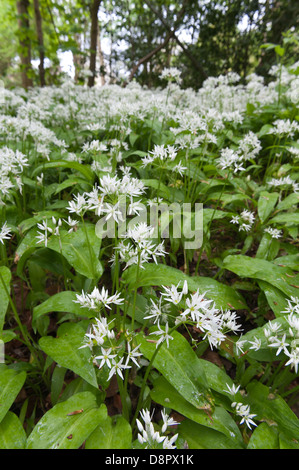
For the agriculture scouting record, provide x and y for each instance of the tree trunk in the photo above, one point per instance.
(94, 9)
(102, 63)
(40, 38)
(25, 44)
(194, 61)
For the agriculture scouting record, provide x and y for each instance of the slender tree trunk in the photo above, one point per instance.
(101, 57)
(40, 38)
(25, 44)
(94, 9)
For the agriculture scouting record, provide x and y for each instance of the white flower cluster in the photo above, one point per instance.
(138, 247)
(103, 196)
(245, 220)
(12, 165)
(283, 339)
(5, 233)
(101, 335)
(160, 153)
(249, 148)
(150, 437)
(273, 232)
(243, 411)
(54, 229)
(194, 309)
(171, 74)
(283, 182)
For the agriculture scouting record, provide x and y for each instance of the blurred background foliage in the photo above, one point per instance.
(116, 41)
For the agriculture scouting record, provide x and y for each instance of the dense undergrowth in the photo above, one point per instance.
(130, 337)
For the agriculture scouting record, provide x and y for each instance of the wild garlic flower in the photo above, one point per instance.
(283, 182)
(5, 233)
(285, 127)
(194, 309)
(94, 146)
(245, 220)
(244, 412)
(274, 232)
(97, 299)
(151, 438)
(53, 229)
(12, 164)
(138, 247)
(171, 74)
(230, 159)
(160, 154)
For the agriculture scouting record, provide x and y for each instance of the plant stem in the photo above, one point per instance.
(19, 323)
(147, 372)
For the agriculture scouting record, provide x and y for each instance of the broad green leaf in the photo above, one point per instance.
(162, 275)
(5, 278)
(268, 248)
(61, 302)
(264, 437)
(280, 277)
(83, 169)
(65, 350)
(180, 366)
(154, 183)
(273, 409)
(287, 443)
(75, 248)
(220, 420)
(57, 381)
(216, 377)
(11, 383)
(291, 261)
(12, 433)
(201, 437)
(112, 433)
(70, 182)
(290, 201)
(68, 424)
(288, 219)
(275, 297)
(266, 204)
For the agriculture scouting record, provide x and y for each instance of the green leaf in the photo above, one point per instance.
(288, 219)
(11, 383)
(68, 424)
(57, 383)
(64, 349)
(75, 248)
(288, 202)
(245, 266)
(180, 366)
(83, 169)
(5, 279)
(273, 409)
(266, 204)
(264, 437)
(268, 248)
(276, 299)
(61, 302)
(112, 433)
(163, 275)
(12, 433)
(220, 420)
(201, 437)
(292, 261)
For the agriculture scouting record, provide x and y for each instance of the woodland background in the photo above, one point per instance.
(112, 41)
